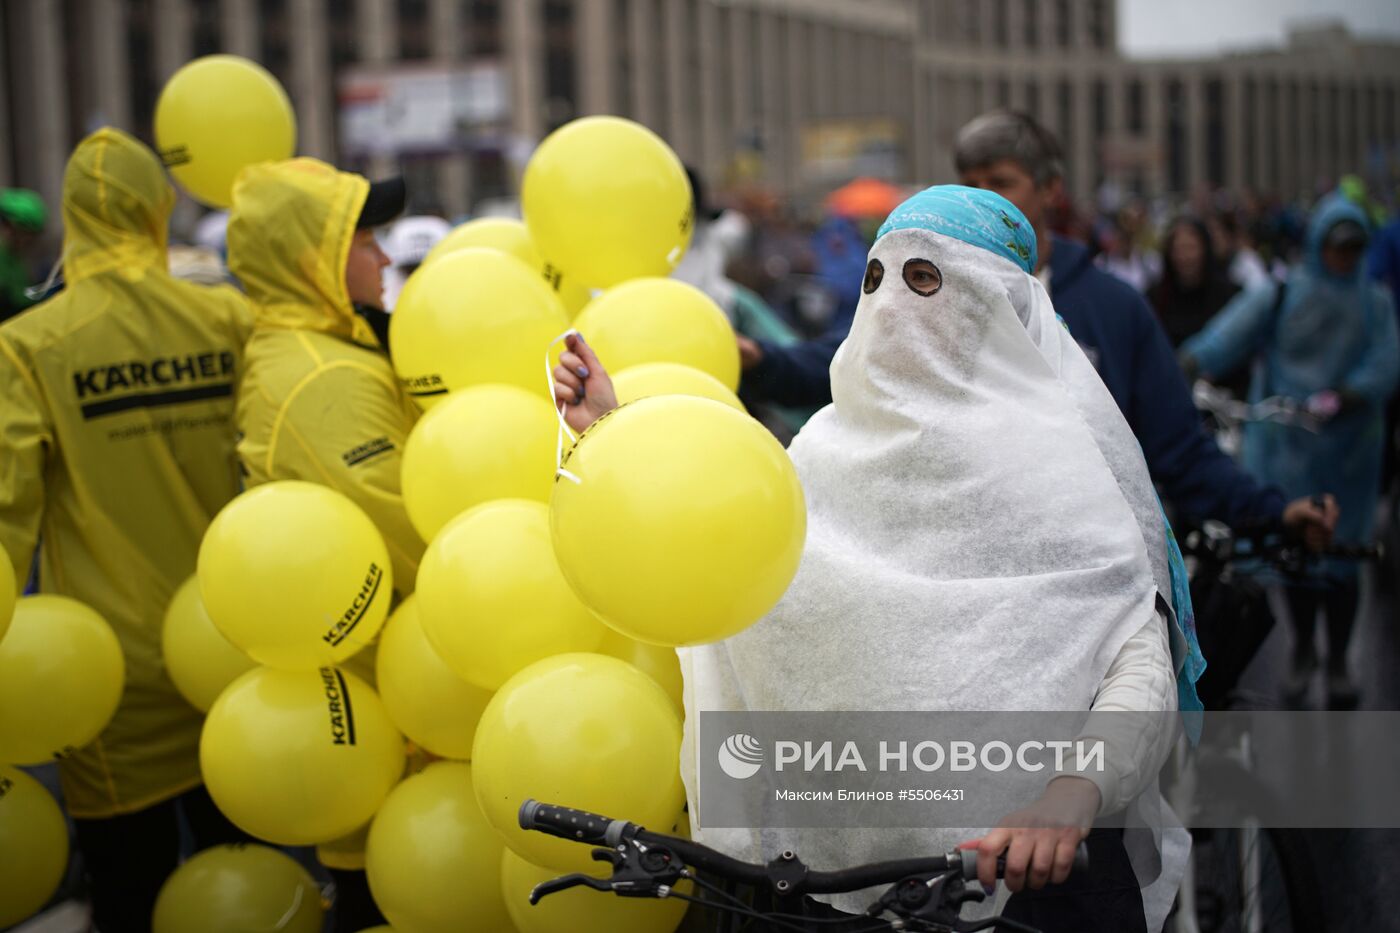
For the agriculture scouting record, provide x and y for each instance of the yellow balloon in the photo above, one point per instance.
(216, 115)
(648, 379)
(299, 757)
(578, 730)
(472, 317)
(200, 660)
(295, 575)
(61, 677)
(512, 236)
(433, 861)
(7, 592)
(661, 321)
(659, 662)
(33, 846)
(685, 492)
(483, 443)
(492, 597)
(607, 200)
(430, 704)
(236, 889)
(582, 910)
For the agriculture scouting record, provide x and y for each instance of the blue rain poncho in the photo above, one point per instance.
(1329, 332)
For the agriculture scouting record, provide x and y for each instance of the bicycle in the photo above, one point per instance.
(924, 894)
(1252, 879)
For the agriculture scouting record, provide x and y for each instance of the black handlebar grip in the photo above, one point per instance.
(969, 862)
(575, 825)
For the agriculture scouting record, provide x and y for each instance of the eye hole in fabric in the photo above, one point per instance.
(874, 274)
(922, 277)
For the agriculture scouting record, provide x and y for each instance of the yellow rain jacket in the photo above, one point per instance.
(318, 400)
(116, 450)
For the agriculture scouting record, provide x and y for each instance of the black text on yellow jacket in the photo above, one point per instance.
(117, 448)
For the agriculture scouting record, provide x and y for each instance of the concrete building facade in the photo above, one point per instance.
(793, 93)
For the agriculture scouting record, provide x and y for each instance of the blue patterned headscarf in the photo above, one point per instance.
(981, 218)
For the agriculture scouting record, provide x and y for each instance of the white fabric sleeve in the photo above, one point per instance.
(1140, 679)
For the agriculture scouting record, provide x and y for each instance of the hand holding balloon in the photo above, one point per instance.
(581, 385)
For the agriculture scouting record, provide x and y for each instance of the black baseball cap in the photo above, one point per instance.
(1346, 234)
(385, 202)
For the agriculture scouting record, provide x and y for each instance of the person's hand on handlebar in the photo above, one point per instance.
(1314, 519)
(1040, 841)
(581, 385)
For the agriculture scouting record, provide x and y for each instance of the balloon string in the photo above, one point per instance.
(291, 911)
(559, 410)
(37, 292)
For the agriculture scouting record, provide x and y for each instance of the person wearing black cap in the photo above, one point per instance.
(1327, 338)
(318, 400)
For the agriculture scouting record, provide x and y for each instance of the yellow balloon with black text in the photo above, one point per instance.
(481, 443)
(433, 861)
(61, 676)
(295, 575)
(661, 321)
(217, 115)
(584, 731)
(492, 597)
(7, 592)
(299, 757)
(472, 317)
(686, 491)
(201, 662)
(607, 200)
(583, 910)
(33, 846)
(511, 236)
(238, 888)
(648, 379)
(430, 704)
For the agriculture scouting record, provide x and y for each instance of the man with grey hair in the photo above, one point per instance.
(1012, 154)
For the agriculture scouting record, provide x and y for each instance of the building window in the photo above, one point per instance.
(1001, 23)
(1248, 107)
(276, 44)
(1176, 136)
(206, 27)
(972, 21)
(1136, 107)
(1215, 131)
(1033, 99)
(560, 85)
(1272, 137)
(140, 27)
(1065, 119)
(341, 17)
(1063, 25)
(485, 29)
(415, 30)
(1030, 22)
(1003, 93)
(1100, 24)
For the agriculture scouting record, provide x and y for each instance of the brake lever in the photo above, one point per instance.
(555, 885)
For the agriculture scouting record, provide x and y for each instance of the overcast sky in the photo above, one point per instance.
(1193, 27)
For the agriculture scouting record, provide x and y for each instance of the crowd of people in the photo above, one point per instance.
(128, 392)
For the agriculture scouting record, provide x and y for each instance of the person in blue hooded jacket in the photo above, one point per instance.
(1331, 344)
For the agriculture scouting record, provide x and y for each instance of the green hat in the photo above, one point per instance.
(23, 208)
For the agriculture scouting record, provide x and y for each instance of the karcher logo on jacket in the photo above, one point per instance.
(117, 387)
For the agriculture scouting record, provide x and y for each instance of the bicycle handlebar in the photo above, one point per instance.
(591, 828)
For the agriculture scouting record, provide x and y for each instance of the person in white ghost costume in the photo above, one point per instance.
(982, 535)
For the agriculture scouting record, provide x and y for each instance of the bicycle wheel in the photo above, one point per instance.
(1254, 880)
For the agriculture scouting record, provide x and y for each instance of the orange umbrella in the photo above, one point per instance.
(864, 197)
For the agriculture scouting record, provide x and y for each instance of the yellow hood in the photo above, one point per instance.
(116, 207)
(289, 239)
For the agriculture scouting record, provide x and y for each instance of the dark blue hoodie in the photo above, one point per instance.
(1112, 322)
